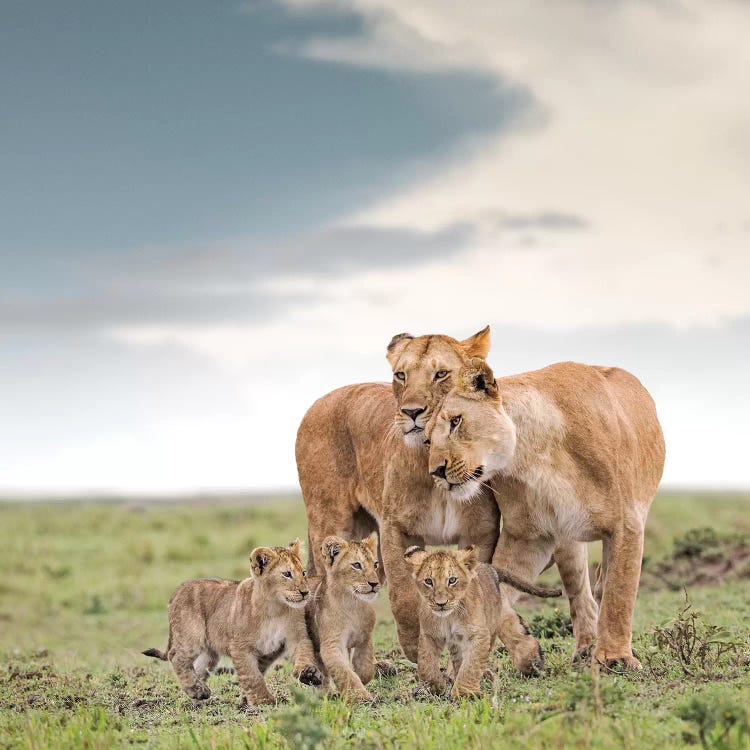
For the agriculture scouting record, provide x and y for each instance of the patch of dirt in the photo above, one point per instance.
(702, 557)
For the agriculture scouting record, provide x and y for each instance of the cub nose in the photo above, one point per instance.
(373, 584)
(303, 594)
(413, 413)
(440, 471)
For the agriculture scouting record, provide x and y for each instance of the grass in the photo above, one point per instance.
(84, 587)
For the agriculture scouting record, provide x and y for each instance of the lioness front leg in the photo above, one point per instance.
(336, 662)
(623, 552)
(250, 677)
(401, 589)
(572, 564)
(428, 664)
(526, 559)
(475, 659)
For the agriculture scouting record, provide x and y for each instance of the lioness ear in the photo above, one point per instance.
(372, 543)
(415, 555)
(468, 558)
(332, 546)
(295, 547)
(478, 345)
(260, 559)
(398, 342)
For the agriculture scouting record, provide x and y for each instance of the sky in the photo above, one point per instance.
(214, 211)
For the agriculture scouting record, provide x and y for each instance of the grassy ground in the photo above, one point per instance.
(84, 587)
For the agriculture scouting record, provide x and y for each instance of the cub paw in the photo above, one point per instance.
(311, 675)
(465, 691)
(198, 692)
(385, 669)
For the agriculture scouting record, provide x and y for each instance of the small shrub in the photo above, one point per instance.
(299, 722)
(95, 606)
(721, 723)
(556, 624)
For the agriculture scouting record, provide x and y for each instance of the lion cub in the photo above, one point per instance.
(255, 622)
(341, 618)
(462, 608)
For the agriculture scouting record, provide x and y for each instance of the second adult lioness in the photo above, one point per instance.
(573, 453)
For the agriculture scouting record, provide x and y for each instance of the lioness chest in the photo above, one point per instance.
(440, 522)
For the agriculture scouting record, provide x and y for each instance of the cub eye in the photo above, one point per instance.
(452, 581)
(376, 564)
(304, 574)
(428, 582)
(357, 565)
(400, 376)
(286, 574)
(440, 374)
(455, 421)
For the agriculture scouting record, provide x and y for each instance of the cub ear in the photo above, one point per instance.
(478, 345)
(372, 543)
(398, 342)
(331, 548)
(468, 558)
(295, 548)
(415, 555)
(260, 559)
(478, 380)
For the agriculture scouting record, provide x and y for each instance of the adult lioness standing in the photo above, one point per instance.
(573, 453)
(362, 465)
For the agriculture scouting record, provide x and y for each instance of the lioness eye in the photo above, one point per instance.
(455, 421)
(357, 566)
(399, 376)
(440, 374)
(428, 582)
(377, 564)
(286, 574)
(452, 581)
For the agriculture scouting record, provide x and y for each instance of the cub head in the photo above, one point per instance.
(471, 436)
(442, 576)
(424, 370)
(279, 571)
(353, 565)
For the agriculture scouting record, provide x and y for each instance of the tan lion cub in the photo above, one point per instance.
(462, 609)
(341, 618)
(255, 622)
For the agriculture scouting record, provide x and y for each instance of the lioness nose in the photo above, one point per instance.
(413, 413)
(441, 604)
(440, 471)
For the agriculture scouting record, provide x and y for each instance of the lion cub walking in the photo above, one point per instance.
(462, 609)
(341, 618)
(255, 622)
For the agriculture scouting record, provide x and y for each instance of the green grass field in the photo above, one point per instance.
(84, 588)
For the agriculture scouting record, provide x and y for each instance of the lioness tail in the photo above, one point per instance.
(503, 576)
(155, 653)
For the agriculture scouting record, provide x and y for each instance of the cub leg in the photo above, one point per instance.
(428, 665)
(572, 564)
(363, 661)
(402, 592)
(476, 656)
(526, 559)
(205, 664)
(304, 659)
(182, 662)
(250, 677)
(336, 661)
(623, 551)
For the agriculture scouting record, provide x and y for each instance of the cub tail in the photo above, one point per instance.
(154, 653)
(504, 576)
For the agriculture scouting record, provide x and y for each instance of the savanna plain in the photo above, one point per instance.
(84, 588)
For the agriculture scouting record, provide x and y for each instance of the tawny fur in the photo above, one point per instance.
(574, 454)
(463, 609)
(341, 616)
(363, 466)
(254, 622)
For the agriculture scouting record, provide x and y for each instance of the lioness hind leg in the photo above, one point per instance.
(623, 552)
(182, 662)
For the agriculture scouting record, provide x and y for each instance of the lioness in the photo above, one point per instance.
(255, 622)
(573, 453)
(363, 465)
(341, 616)
(462, 609)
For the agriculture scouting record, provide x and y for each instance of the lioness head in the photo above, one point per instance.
(471, 436)
(424, 370)
(442, 576)
(279, 571)
(353, 565)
